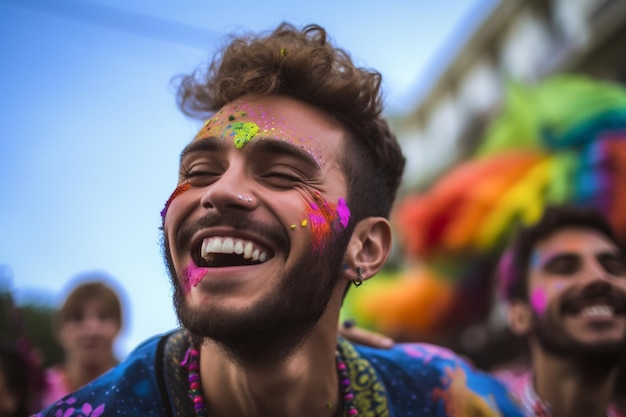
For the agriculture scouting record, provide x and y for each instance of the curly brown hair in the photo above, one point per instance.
(303, 64)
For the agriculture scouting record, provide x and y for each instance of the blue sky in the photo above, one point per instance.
(90, 134)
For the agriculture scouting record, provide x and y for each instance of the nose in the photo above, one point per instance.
(91, 324)
(233, 190)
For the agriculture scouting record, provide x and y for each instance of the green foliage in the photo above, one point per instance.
(32, 321)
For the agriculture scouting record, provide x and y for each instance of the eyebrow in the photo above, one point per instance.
(573, 254)
(208, 144)
(280, 146)
(558, 256)
(258, 144)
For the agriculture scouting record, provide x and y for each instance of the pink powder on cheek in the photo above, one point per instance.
(320, 226)
(344, 212)
(539, 301)
(193, 275)
(322, 216)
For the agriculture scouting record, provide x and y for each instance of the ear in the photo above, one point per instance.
(369, 248)
(519, 317)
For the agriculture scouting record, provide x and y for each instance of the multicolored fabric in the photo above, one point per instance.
(409, 380)
(521, 386)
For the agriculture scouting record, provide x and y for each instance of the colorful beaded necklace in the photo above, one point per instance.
(192, 360)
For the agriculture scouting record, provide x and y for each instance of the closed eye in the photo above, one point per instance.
(199, 178)
(282, 177)
(563, 265)
(612, 264)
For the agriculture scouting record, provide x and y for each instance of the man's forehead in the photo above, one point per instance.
(241, 122)
(576, 240)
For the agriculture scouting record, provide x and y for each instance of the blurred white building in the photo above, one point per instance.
(524, 40)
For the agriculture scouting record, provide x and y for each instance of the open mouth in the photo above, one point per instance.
(221, 251)
(596, 307)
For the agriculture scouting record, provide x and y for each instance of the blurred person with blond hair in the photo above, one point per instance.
(86, 325)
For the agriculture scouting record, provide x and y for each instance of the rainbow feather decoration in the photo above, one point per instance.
(560, 141)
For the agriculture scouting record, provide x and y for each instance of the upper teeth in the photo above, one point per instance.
(598, 310)
(229, 246)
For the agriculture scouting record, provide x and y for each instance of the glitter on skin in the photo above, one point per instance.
(178, 191)
(193, 276)
(245, 122)
(538, 301)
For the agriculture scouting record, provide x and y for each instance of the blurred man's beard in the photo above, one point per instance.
(275, 326)
(555, 340)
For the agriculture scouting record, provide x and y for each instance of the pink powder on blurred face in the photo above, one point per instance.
(539, 301)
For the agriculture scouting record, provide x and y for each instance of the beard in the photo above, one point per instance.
(274, 326)
(553, 338)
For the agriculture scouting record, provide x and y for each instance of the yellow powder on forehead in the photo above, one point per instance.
(244, 122)
(243, 132)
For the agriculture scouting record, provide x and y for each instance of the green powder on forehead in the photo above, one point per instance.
(243, 132)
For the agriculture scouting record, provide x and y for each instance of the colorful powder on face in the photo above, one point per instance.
(178, 191)
(535, 260)
(539, 301)
(344, 212)
(243, 132)
(322, 216)
(243, 122)
(193, 276)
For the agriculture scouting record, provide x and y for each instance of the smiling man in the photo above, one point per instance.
(282, 203)
(566, 285)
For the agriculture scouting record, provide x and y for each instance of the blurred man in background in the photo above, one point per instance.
(566, 289)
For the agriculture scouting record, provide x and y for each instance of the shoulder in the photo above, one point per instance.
(55, 387)
(131, 387)
(448, 383)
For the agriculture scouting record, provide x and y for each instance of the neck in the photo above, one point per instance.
(78, 374)
(572, 388)
(303, 384)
